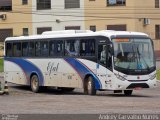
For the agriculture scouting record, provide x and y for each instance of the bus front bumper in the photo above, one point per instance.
(127, 85)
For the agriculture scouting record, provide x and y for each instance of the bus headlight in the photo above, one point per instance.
(151, 77)
(120, 77)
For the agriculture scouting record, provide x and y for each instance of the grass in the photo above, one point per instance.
(1, 65)
(158, 74)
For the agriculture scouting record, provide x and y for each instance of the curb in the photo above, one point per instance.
(158, 59)
(158, 81)
(1, 92)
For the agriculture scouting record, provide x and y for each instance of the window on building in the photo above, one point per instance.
(157, 3)
(72, 3)
(43, 4)
(4, 33)
(72, 47)
(17, 49)
(56, 48)
(24, 2)
(87, 47)
(157, 29)
(117, 27)
(25, 32)
(5, 5)
(43, 29)
(116, 2)
(72, 28)
(9, 50)
(93, 28)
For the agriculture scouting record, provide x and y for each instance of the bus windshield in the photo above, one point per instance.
(133, 54)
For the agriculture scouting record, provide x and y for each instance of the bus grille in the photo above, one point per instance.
(135, 85)
(137, 80)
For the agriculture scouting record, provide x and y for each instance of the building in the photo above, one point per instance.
(57, 15)
(14, 20)
(130, 15)
(28, 17)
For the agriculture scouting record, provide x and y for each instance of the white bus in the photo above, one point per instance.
(120, 61)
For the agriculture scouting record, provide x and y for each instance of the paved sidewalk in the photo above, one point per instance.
(158, 64)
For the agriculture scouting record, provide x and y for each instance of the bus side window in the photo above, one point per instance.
(59, 48)
(9, 50)
(51, 48)
(44, 48)
(31, 49)
(25, 48)
(71, 47)
(87, 47)
(102, 54)
(56, 48)
(17, 49)
(109, 57)
(38, 48)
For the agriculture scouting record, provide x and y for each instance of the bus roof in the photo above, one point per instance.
(75, 33)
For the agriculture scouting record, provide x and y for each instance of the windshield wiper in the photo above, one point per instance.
(130, 60)
(141, 56)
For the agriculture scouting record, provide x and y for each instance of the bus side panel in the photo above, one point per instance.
(92, 70)
(57, 73)
(14, 73)
(103, 76)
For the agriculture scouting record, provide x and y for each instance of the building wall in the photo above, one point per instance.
(132, 15)
(103, 15)
(65, 17)
(16, 19)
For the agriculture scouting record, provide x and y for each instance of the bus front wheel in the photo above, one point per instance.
(89, 87)
(35, 84)
(128, 92)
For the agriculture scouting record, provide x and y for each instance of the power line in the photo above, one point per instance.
(77, 16)
(86, 7)
(71, 15)
(95, 19)
(89, 6)
(87, 12)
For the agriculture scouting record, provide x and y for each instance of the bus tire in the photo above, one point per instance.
(90, 86)
(128, 92)
(35, 84)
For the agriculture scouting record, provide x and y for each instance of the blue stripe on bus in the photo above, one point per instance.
(82, 70)
(28, 68)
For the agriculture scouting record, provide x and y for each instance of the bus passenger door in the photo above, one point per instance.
(101, 64)
(104, 64)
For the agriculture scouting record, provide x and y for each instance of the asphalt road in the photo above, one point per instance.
(22, 101)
